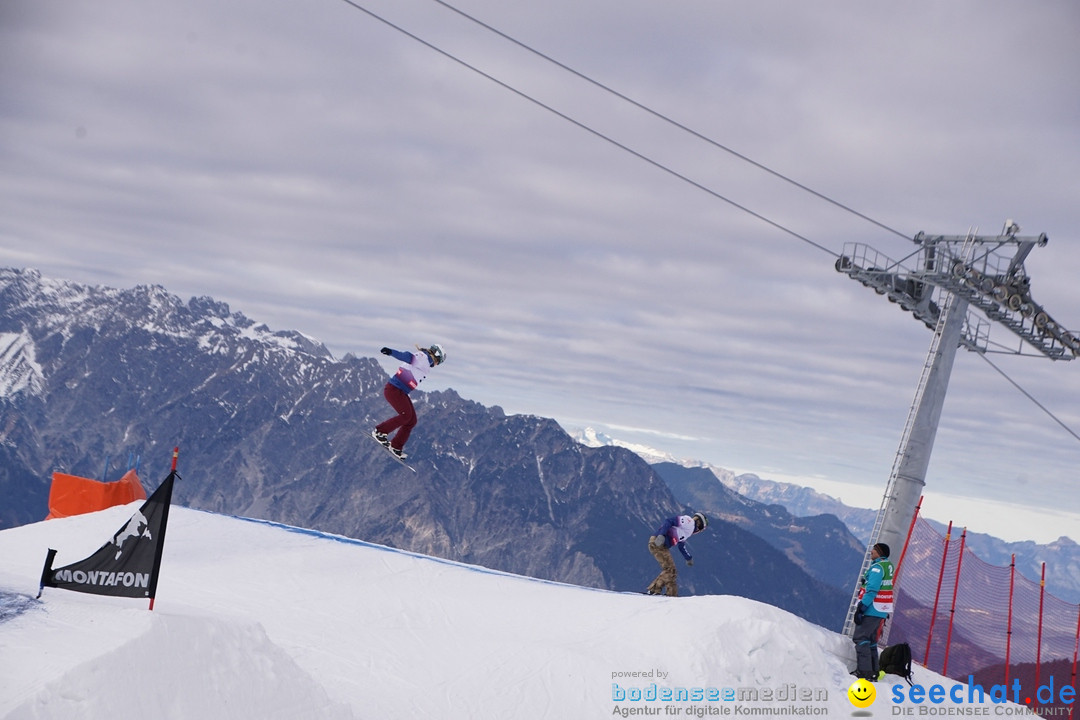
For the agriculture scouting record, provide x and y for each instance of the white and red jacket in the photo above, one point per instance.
(414, 368)
(676, 530)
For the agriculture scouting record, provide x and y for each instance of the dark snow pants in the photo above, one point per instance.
(865, 638)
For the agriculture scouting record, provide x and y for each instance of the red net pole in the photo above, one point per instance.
(1076, 652)
(937, 595)
(952, 609)
(1008, 629)
(907, 541)
(1038, 649)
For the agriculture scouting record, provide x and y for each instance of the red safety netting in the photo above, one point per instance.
(965, 618)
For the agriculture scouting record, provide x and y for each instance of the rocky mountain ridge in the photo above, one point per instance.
(1061, 556)
(270, 425)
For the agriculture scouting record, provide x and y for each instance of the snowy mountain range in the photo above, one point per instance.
(1062, 556)
(258, 620)
(270, 425)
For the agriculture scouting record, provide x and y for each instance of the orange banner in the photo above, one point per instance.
(73, 495)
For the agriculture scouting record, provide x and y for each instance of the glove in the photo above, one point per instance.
(658, 541)
(690, 562)
(387, 351)
(860, 613)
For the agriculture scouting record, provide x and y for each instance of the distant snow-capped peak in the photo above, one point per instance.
(590, 437)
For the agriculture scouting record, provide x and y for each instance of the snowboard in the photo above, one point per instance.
(386, 447)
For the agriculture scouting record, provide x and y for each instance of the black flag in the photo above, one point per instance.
(128, 564)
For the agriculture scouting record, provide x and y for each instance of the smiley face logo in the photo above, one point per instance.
(862, 693)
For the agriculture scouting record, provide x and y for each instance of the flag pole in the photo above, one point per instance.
(164, 524)
(46, 571)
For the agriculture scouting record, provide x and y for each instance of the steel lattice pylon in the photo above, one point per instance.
(941, 284)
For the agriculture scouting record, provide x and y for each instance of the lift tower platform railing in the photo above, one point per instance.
(942, 284)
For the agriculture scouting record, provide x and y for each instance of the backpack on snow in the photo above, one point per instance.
(896, 660)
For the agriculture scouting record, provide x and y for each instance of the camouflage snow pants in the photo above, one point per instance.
(666, 579)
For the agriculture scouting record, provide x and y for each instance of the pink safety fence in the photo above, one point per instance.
(965, 619)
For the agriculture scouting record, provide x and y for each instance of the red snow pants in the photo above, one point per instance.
(404, 421)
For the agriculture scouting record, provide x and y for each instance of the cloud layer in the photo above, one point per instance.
(578, 257)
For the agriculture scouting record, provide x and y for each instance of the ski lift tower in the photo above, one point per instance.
(940, 283)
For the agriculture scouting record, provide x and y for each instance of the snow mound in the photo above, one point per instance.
(229, 668)
(254, 619)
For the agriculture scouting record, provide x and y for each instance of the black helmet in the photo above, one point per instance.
(699, 518)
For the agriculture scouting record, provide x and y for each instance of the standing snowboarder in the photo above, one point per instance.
(674, 531)
(874, 605)
(414, 368)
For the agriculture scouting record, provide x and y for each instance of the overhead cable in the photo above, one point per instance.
(674, 123)
(1030, 397)
(657, 164)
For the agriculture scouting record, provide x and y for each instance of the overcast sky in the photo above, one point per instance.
(322, 171)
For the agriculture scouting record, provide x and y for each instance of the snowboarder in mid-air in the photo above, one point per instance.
(674, 531)
(414, 368)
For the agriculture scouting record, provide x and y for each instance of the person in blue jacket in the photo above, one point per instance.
(414, 368)
(674, 532)
(874, 605)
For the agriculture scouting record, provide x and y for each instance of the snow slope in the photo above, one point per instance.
(255, 620)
